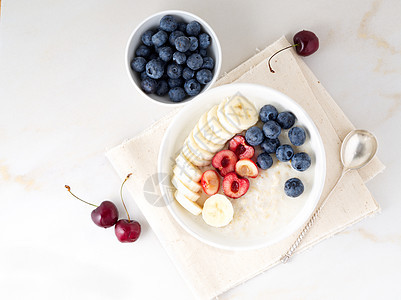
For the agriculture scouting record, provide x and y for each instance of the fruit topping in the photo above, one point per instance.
(246, 168)
(268, 112)
(224, 161)
(301, 161)
(297, 136)
(210, 182)
(217, 211)
(286, 119)
(284, 153)
(240, 147)
(254, 136)
(234, 186)
(293, 187)
(270, 145)
(271, 129)
(264, 161)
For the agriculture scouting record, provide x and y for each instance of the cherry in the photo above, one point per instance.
(305, 43)
(105, 215)
(127, 231)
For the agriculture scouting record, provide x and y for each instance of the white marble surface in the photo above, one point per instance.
(65, 98)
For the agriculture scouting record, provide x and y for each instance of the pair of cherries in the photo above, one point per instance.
(106, 215)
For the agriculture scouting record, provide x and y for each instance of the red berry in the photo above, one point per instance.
(234, 186)
(240, 147)
(105, 215)
(306, 42)
(246, 168)
(127, 231)
(224, 161)
(210, 182)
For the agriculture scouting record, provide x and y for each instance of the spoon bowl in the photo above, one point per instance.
(358, 149)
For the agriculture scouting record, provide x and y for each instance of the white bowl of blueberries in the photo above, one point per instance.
(173, 56)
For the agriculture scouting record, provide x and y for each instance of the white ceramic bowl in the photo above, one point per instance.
(181, 126)
(153, 22)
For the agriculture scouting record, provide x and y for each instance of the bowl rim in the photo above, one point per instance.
(207, 28)
(286, 233)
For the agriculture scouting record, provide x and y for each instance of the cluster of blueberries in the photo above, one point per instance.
(174, 59)
(267, 138)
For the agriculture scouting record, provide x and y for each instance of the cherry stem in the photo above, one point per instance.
(69, 190)
(121, 195)
(270, 67)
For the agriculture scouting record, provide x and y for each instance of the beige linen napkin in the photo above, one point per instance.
(216, 271)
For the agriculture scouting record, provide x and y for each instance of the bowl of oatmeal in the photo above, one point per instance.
(265, 214)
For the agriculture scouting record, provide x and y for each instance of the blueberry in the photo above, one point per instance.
(268, 112)
(166, 53)
(182, 26)
(208, 63)
(177, 94)
(195, 61)
(204, 41)
(193, 43)
(297, 136)
(173, 36)
(153, 55)
(174, 70)
(138, 64)
(293, 187)
(254, 136)
(204, 76)
(162, 88)
(271, 129)
(172, 83)
(286, 119)
(182, 43)
(284, 153)
(270, 145)
(155, 68)
(168, 23)
(203, 52)
(147, 38)
(143, 51)
(159, 38)
(179, 57)
(192, 87)
(264, 161)
(193, 28)
(143, 75)
(187, 73)
(149, 85)
(301, 161)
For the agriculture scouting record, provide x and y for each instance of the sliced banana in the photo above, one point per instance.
(194, 147)
(180, 186)
(217, 211)
(204, 128)
(190, 206)
(216, 126)
(204, 143)
(241, 112)
(193, 158)
(221, 115)
(189, 183)
(188, 168)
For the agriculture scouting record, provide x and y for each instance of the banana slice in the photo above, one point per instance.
(204, 128)
(188, 168)
(189, 183)
(195, 149)
(193, 158)
(216, 126)
(241, 112)
(183, 189)
(217, 211)
(190, 206)
(204, 143)
(221, 115)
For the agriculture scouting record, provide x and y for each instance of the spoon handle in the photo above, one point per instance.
(310, 223)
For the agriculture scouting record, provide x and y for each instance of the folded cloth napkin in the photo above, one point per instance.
(216, 271)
